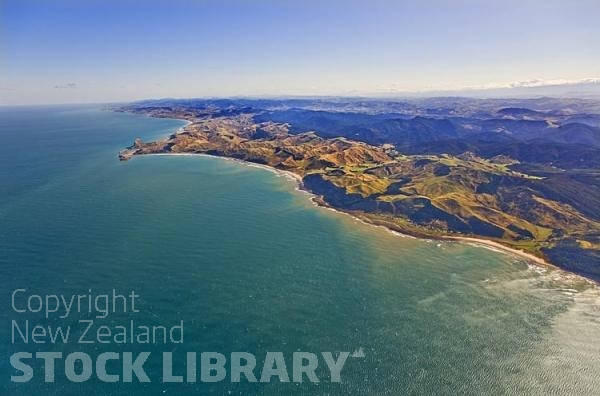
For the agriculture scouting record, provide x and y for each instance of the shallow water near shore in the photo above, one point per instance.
(251, 265)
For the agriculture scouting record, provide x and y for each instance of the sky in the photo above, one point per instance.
(55, 51)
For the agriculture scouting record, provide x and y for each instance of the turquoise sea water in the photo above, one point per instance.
(251, 265)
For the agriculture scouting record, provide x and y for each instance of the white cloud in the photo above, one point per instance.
(533, 83)
(542, 83)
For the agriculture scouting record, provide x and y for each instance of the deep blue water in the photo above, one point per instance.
(250, 265)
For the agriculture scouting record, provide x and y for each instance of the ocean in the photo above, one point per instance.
(249, 264)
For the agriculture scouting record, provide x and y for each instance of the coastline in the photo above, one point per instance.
(496, 246)
(473, 241)
(288, 174)
(317, 201)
